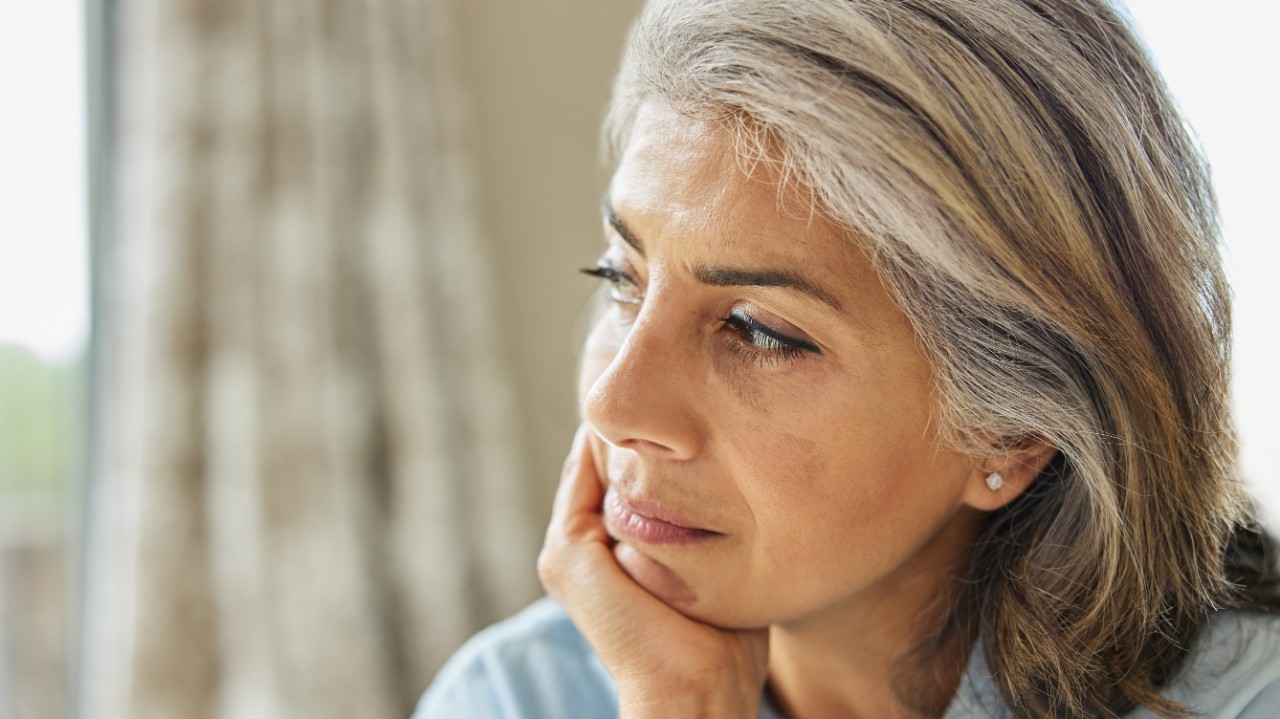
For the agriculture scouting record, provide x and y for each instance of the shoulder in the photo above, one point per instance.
(535, 664)
(1232, 671)
(1233, 668)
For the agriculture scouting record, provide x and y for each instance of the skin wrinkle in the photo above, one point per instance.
(720, 276)
(740, 380)
(727, 277)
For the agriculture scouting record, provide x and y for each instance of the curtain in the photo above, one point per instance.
(307, 479)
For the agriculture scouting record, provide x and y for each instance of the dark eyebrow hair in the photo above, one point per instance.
(621, 227)
(730, 277)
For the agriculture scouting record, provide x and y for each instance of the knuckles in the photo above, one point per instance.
(570, 554)
(570, 466)
(548, 570)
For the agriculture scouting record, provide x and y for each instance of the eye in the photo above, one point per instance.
(622, 286)
(765, 343)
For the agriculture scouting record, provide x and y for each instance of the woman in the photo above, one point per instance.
(910, 396)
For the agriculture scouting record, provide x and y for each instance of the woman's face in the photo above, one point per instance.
(762, 410)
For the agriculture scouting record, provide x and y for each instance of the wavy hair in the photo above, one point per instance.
(1034, 202)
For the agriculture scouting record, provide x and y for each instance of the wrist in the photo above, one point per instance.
(714, 703)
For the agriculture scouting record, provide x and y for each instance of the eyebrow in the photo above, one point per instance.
(731, 277)
(621, 228)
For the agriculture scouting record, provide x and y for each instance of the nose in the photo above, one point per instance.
(646, 397)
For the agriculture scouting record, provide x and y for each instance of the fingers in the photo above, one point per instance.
(646, 645)
(577, 564)
(576, 548)
(579, 491)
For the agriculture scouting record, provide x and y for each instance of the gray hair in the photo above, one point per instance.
(1032, 199)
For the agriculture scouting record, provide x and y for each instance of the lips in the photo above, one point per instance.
(649, 523)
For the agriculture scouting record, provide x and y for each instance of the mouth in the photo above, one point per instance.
(649, 523)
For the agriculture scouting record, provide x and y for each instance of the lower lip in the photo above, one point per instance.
(624, 521)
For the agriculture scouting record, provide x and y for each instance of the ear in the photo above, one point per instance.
(1017, 466)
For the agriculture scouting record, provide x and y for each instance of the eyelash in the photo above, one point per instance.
(764, 344)
(758, 341)
(618, 281)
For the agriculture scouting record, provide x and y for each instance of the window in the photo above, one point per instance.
(1220, 62)
(43, 338)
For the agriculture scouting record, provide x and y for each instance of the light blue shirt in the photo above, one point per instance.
(537, 665)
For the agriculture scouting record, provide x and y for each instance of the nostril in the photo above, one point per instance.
(632, 403)
(637, 445)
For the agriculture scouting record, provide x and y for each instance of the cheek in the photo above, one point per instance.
(597, 353)
(845, 503)
(788, 498)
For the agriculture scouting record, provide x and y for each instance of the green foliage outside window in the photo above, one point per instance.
(40, 422)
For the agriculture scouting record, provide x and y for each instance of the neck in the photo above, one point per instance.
(846, 660)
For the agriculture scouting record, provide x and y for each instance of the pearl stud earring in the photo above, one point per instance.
(994, 481)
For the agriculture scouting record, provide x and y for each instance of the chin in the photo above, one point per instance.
(719, 606)
(726, 614)
(725, 617)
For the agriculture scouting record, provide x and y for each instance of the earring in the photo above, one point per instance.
(994, 481)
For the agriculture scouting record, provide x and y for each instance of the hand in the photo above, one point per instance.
(664, 663)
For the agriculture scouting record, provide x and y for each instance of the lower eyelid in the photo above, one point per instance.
(744, 352)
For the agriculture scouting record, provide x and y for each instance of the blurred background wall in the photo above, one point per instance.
(537, 77)
(331, 383)
(332, 376)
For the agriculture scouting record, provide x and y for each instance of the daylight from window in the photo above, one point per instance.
(1220, 62)
(43, 280)
(43, 335)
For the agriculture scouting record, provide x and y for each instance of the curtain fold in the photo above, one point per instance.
(308, 478)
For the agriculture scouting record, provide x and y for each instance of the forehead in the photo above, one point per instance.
(682, 178)
(674, 162)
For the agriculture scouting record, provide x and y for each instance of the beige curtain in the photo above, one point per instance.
(307, 485)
